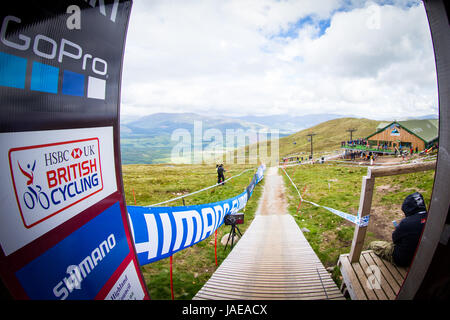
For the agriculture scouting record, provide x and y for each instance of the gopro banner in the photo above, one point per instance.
(159, 232)
(64, 231)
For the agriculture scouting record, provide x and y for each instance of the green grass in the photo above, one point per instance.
(193, 266)
(339, 187)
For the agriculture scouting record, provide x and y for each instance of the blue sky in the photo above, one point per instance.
(293, 28)
(366, 58)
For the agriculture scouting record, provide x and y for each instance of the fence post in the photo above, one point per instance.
(171, 278)
(134, 196)
(215, 246)
(365, 203)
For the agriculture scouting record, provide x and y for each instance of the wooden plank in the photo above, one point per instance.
(287, 282)
(401, 169)
(274, 271)
(362, 276)
(395, 279)
(268, 290)
(365, 203)
(249, 278)
(395, 271)
(248, 295)
(379, 292)
(402, 271)
(383, 280)
(350, 278)
(287, 287)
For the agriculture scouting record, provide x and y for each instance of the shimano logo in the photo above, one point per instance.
(77, 273)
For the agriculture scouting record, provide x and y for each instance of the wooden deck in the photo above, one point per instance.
(272, 261)
(371, 278)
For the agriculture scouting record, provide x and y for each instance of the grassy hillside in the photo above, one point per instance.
(193, 266)
(328, 137)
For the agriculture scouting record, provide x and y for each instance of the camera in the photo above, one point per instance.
(233, 219)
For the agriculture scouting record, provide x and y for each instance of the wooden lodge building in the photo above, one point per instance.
(396, 137)
(401, 135)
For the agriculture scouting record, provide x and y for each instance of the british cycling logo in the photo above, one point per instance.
(34, 194)
(57, 177)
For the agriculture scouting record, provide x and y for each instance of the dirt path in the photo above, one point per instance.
(273, 200)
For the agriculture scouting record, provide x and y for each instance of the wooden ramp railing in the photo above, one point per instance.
(273, 260)
(355, 267)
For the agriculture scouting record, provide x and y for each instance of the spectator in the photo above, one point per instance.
(406, 235)
(220, 175)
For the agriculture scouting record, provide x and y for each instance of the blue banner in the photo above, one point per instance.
(159, 232)
(96, 251)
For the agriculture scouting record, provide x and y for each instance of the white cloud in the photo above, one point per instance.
(229, 57)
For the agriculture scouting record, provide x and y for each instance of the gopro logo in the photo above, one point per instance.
(44, 77)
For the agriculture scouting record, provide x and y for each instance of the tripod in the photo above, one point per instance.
(233, 229)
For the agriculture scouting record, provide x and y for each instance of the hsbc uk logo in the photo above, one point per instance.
(76, 153)
(48, 78)
(49, 179)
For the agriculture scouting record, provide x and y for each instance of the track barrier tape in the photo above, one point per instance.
(198, 191)
(362, 222)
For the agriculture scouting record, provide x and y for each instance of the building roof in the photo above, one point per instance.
(427, 130)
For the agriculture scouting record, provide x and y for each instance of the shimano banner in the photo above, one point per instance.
(159, 232)
(64, 230)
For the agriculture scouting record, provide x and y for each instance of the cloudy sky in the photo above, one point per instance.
(370, 59)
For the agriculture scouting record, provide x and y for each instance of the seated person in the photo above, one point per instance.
(406, 235)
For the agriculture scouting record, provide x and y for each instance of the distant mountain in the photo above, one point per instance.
(426, 117)
(167, 123)
(149, 138)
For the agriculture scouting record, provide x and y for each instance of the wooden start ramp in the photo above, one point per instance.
(273, 260)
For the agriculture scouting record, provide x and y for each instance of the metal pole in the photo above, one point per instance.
(311, 137)
(351, 133)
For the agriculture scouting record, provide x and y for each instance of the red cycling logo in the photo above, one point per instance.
(34, 194)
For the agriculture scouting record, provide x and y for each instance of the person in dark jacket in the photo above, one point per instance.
(406, 235)
(220, 175)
